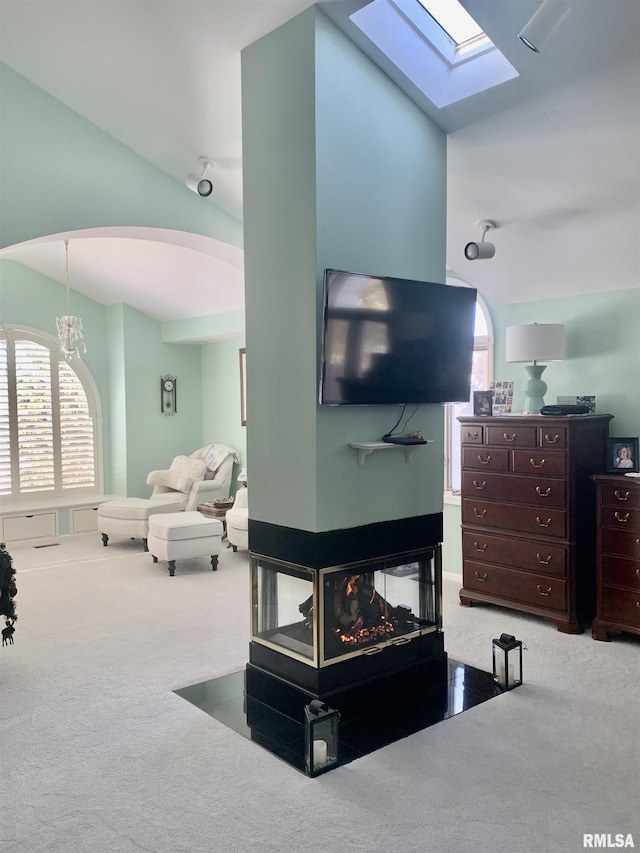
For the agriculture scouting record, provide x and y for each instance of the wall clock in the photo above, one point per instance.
(168, 404)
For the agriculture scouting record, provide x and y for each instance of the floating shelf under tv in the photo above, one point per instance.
(364, 448)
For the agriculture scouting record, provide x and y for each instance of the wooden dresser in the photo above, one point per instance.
(618, 556)
(529, 513)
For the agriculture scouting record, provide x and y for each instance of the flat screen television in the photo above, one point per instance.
(393, 341)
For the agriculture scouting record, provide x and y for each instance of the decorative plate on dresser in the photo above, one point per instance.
(618, 605)
(529, 513)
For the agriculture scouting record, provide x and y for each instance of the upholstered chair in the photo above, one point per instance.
(201, 477)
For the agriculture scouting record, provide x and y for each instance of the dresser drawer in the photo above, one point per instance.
(529, 556)
(549, 463)
(511, 437)
(625, 543)
(618, 571)
(482, 459)
(518, 586)
(471, 435)
(554, 439)
(621, 518)
(510, 488)
(620, 496)
(525, 519)
(621, 605)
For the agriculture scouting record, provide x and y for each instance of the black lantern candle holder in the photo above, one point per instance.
(321, 731)
(507, 662)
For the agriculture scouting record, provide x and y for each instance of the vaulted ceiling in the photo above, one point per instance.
(553, 157)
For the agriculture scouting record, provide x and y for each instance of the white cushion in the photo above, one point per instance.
(184, 525)
(183, 473)
(238, 518)
(136, 508)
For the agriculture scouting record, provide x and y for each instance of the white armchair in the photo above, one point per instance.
(201, 477)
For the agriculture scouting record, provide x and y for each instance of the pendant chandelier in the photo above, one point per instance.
(70, 335)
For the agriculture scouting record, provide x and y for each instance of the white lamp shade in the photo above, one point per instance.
(536, 342)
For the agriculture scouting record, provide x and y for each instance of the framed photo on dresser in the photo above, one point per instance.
(622, 456)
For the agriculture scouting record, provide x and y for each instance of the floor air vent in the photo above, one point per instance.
(50, 545)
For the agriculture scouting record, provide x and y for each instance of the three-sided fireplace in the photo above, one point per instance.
(342, 632)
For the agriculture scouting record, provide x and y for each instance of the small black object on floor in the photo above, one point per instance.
(224, 699)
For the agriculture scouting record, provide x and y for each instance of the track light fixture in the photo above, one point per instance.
(200, 183)
(481, 250)
(543, 24)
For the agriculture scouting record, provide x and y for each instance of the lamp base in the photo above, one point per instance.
(534, 389)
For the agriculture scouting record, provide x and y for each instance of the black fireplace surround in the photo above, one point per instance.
(349, 617)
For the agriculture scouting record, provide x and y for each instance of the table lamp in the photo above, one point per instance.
(535, 342)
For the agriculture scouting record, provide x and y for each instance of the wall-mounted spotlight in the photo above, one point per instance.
(543, 24)
(482, 250)
(200, 183)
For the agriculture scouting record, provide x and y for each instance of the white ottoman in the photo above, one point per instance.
(180, 535)
(130, 516)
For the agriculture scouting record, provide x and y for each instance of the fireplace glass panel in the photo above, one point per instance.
(277, 592)
(370, 606)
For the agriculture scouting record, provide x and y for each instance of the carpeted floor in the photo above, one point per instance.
(97, 752)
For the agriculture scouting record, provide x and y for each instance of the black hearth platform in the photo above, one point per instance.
(225, 699)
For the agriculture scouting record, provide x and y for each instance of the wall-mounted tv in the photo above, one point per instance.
(393, 341)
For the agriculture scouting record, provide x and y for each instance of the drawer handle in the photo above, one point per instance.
(542, 523)
(552, 440)
(621, 496)
(401, 641)
(479, 513)
(373, 650)
(484, 461)
(480, 486)
(542, 561)
(537, 464)
(543, 494)
(511, 437)
(482, 548)
(621, 518)
(638, 572)
(545, 592)
(472, 435)
(482, 577)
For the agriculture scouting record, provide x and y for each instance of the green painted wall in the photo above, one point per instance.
(126, 357)
(603, 351)
(341, 170)
(91, 180)
(221, 397)
(58, 172)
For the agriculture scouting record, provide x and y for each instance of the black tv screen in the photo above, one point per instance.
(395, 341)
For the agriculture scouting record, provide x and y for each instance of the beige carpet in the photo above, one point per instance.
(98, 754)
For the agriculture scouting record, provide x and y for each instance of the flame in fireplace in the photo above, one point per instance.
(363, 615)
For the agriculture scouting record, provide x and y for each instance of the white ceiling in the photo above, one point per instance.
(553, 156)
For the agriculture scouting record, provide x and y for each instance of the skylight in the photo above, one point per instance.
(454, 20)
(446, 58)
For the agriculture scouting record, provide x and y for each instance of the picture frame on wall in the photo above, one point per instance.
(482, 403)
(622, 456)
(243, 386)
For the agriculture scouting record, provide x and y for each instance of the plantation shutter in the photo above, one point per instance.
(76, 431)
(5, 425)
(49, 419)
(35, 417)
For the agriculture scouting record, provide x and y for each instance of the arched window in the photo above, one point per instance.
(481, 375)
(49, 419)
